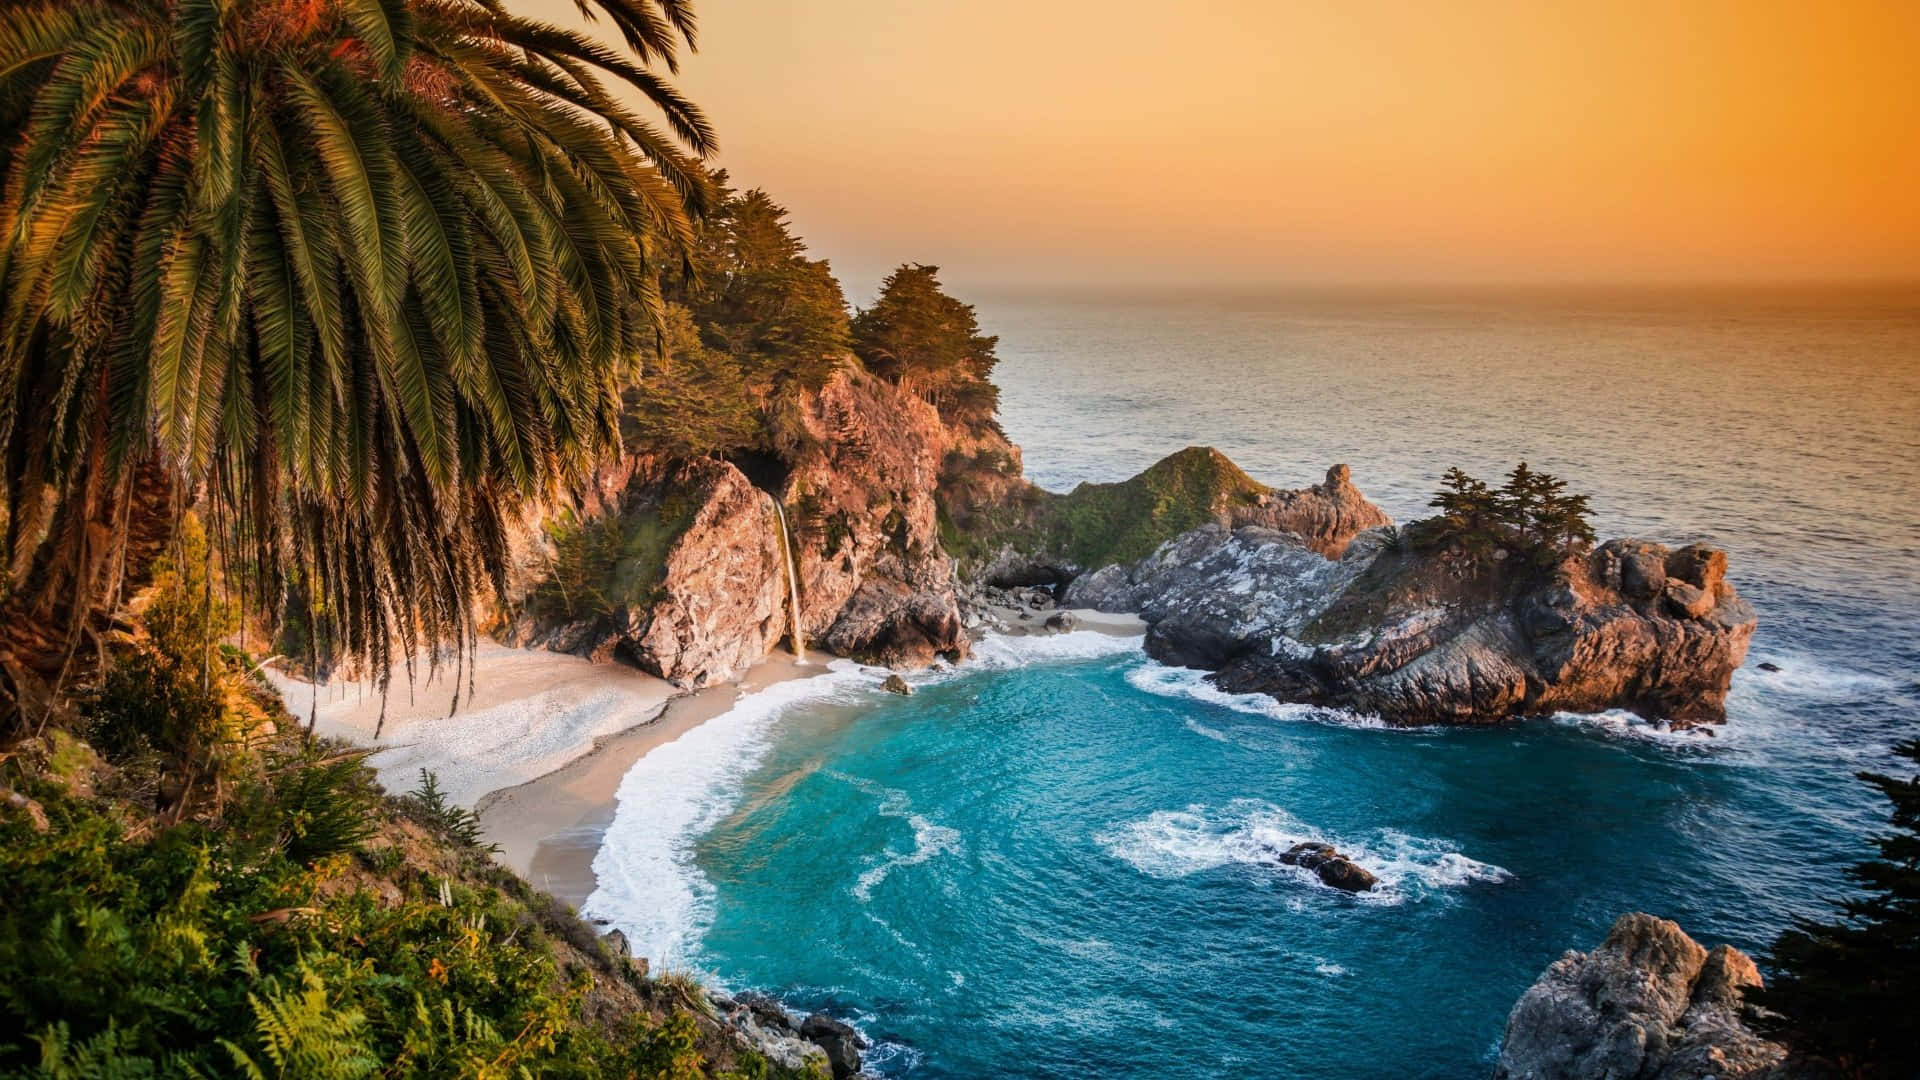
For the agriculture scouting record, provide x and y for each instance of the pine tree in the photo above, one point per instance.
(925, 340)
(1846, 993)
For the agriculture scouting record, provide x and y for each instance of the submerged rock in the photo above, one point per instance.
(1650, 1003)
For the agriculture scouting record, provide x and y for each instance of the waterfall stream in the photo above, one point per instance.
(794, 635)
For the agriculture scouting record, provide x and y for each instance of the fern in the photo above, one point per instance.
(301, 1035)
(327, 807)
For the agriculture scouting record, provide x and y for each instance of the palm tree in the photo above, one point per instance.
(359, 277)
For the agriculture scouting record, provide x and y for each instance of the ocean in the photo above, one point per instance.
(1046, 863)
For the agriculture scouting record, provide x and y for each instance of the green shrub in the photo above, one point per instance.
(456, 822)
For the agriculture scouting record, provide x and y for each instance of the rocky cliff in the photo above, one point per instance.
(1415, 632)
(678, 568)
(1649, 1004)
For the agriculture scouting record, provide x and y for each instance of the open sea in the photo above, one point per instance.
(1043, 864)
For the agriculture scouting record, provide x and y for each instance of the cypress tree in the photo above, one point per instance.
(1846, 993)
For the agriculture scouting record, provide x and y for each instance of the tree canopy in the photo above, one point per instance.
(1531, 512)
(360, 276)
(924, 340)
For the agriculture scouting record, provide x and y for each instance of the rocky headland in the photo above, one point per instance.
(1650, 1003)
(904, 530)
(1404, 626)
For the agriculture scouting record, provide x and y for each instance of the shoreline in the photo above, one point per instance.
(550, 827)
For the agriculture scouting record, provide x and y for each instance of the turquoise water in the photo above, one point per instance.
(1050, 864)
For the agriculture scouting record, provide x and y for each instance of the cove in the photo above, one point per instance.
(1057, 862)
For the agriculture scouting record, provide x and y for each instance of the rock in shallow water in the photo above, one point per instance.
(1330, 866)
(1420, 635)
(894, 684)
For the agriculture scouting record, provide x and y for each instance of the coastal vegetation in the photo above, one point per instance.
(360, 277)
(198, 889)
(1531, 516)
(1093, 525)
(1844, 989)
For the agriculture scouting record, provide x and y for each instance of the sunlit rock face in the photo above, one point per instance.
(684, 574)
(1650, 1002)
(1425, 636)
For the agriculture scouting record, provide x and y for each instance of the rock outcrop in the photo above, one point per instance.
(1009, 532)
(1416, 633)
(675, 569)
(678, 568)
(1326, 517)
(1329, 865)
(1649, 1004)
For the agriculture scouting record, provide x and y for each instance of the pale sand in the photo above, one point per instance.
(549, 828)
(532, 711)
(1022, 622)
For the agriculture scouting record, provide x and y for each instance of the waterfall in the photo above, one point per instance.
(794, 636)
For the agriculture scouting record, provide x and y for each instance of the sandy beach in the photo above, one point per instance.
(549, 828)
(540, 748)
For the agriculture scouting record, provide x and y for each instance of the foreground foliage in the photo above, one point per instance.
(362, 275)
(1846, 993)
(220, 896)
(251, 947)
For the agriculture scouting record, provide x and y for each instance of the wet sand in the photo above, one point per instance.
(549, 829)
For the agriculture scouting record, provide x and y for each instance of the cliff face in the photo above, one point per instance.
(678, 568)
(875, 582)
(1650, 1003)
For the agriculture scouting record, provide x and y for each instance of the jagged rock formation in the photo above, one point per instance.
(817, 1040)
(1326, 517)
(1421, 634)
(709, 603)
(1006, 532)
(677, 567)
(1649, 1004)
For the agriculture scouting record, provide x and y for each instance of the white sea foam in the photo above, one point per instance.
(1201, 729)
(929, 838)
(1621, 723)
(648, 884)
(1001, 652)
(1804, 676)
(1161, 680)
(1252, 832)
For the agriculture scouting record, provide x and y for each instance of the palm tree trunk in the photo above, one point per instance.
(97, 549)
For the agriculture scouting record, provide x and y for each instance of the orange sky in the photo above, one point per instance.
(1262, 140)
